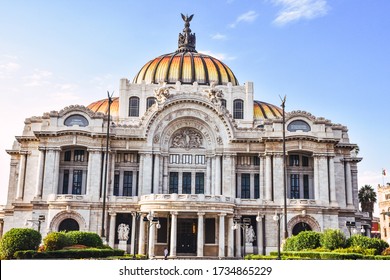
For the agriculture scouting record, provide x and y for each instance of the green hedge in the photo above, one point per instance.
(69, 254)
(17, 239)
(89, 239)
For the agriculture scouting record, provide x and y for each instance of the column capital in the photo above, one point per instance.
(201, 213)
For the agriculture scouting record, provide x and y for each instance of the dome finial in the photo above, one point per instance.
(187, 40)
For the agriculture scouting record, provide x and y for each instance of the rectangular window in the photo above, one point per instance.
(128, 183)
(199, 159)
(306, 186)
(116, 183)
(209, 231)
(256, 160)
(294, 160)
(294, 181)
(77, 181)
(238, 109)
(173, 182)
(133, 106)
(174, 158)
(186, 186)
(79, 155)
(305, 161)
(257, 186)
(187, 159)
(67, 155)
(162, 233)
(65, 182)
(245, 185)
(199, 182)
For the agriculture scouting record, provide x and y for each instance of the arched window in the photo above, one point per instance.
(223, 103)
(69, 225)
(238, 109)
(134, 106)
(149, 102)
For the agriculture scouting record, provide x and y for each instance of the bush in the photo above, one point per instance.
(307, 240)
(290, 244)
(18, 239)
(70, 254)
(333, 239)
(55, 241)
(368, 243)
(89, 239)
(356, 250)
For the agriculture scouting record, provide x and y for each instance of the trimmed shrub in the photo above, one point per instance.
(89, 239)
(386, 252)
(333, 239)
(70, 254)
(368, 243)
(356, 250)
(55, 241)
(307, 240)
(290, 244)
(18, 239)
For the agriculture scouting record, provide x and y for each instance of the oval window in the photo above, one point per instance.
(76, 120)
(298, 125)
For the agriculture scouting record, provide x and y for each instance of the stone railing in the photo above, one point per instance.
(186, 198)
(301, 202)
(66, 197)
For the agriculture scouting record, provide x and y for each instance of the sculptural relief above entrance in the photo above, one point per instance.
(187, 138)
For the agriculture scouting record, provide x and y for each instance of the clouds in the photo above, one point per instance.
(246, 17)
(295, 10)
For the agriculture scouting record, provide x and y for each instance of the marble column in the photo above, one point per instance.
(323, 181)
(238, 242)
(133, 232)
(230, 237)
(141, 243)
(259, 237)
(93, 175)
(268, 177)
(172, 250)
(152, 235)
(262, 177)
(316, 179)
(221, 236)
(111, 239)
(348, 184)
(156, 174)
(208, 175)
(22, 174)
(332, 182)
(200, 236)
(165, 174)
(217, 182)
(41, 161)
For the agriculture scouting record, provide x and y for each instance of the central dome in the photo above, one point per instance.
(186, 65)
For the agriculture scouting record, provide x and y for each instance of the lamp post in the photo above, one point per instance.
(350, 225)
(41, 219)
(244, 224)
(103, 234)
(285, 235)
(153, 221)
(277, 218)
(362, 230)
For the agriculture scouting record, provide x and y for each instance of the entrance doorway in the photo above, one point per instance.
(187, 236)
(302, 226)
(68, 225)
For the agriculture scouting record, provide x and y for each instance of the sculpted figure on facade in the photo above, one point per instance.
(162, 93)
(250, 235)
(123, 232)
(187, 138)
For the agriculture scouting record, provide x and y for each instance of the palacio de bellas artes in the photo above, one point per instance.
(185, 159)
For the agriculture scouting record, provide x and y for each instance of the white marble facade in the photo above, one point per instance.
(189, 160)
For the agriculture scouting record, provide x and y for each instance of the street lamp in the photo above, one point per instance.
(285, 235)
(152, 221)
(244, 224)
(136, 216)
(362, 230)
(350, 225)
(103, 235)
(41, 219)
(277, 218)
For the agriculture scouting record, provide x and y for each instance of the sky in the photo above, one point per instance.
(330, 58)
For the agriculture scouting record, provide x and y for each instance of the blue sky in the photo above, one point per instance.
(329, 57)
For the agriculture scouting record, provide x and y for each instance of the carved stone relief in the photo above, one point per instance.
(187, 138)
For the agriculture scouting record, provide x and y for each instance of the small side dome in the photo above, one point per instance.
(102, 107)
(263, 110)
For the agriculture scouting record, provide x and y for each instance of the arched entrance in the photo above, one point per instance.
(69, 225)
(301, 226)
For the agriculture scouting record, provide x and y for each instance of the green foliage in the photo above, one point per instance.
(18, 239)
(367, 198)
(91, 253)
(368, 243)
(333, 239)
(307, 240)
(357, 250)
(290, 244)
(55, 241)
(89, 239)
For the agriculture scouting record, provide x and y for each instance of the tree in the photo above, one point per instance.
(367, 199)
